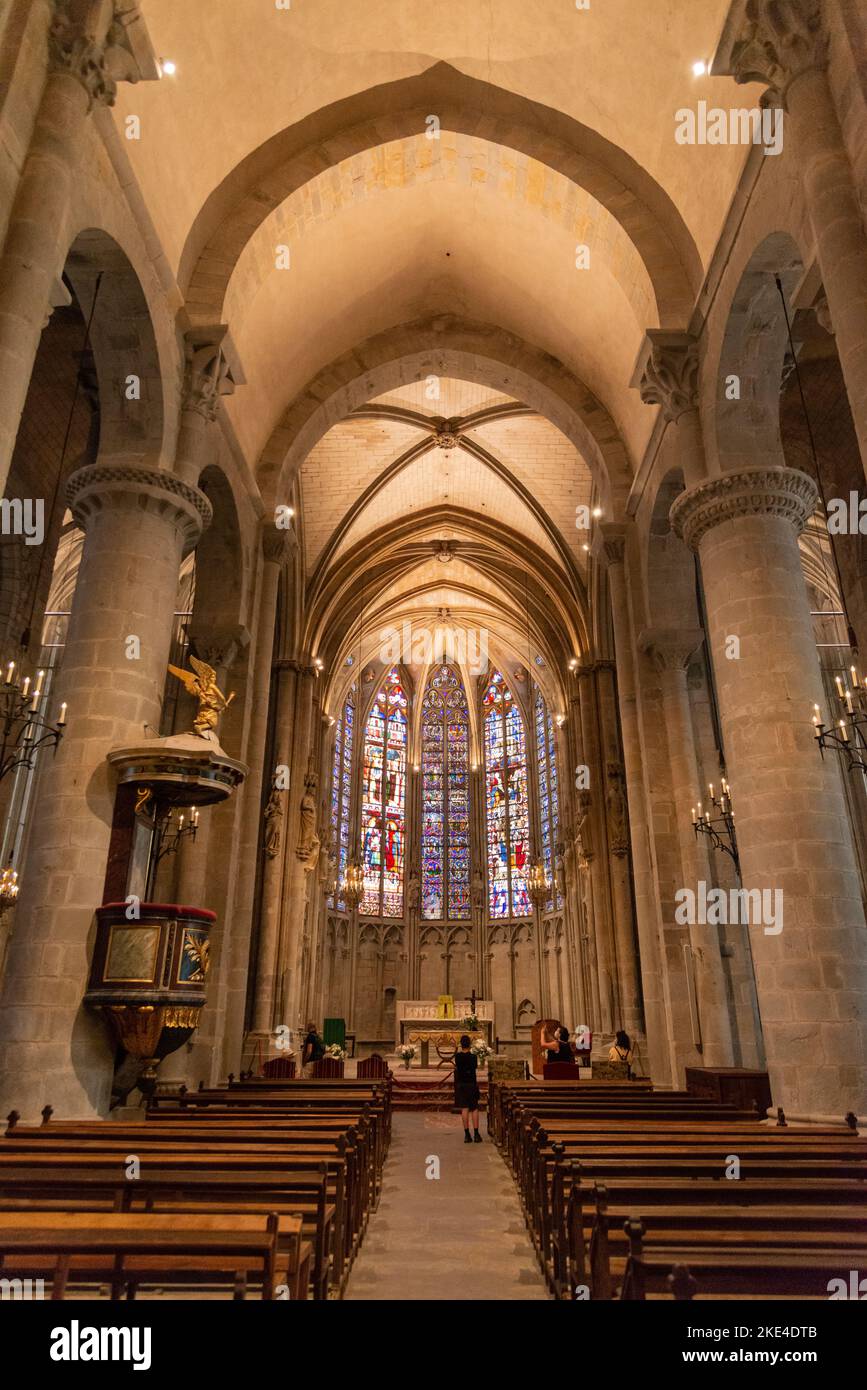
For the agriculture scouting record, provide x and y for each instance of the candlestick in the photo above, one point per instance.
(40, 677)
(9, 670)
(844, 731)
(62, 719)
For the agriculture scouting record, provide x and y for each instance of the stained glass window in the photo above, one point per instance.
(508, 818)
(383, 801)
(445, 815)
(549, 805)
(341, 791)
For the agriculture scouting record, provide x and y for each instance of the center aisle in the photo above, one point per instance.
(461, 1235)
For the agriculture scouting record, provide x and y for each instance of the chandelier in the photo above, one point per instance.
(171, 832)
(538, 883)
(849, 734)
(23, 728)
(8, 889)
(352, 883)
(717, 822)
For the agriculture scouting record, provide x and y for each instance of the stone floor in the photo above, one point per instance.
(461, 1236)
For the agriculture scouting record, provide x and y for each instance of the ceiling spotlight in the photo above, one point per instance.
(573, 664)
(699, 69)
(318, 663)
(597, 511)
(561, 720)
(168, 67)
(585, 547)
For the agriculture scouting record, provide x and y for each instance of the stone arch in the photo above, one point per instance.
(445, 345)
(394, 110)
(124, 346)
(753, 350)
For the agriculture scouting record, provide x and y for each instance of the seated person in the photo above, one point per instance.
(312, 1052)
(621, 1048)
(557, 1048)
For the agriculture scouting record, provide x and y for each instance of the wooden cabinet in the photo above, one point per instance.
(731, 1085)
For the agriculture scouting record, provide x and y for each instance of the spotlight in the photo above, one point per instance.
(168, 67)
(597, 511)
(699, 69)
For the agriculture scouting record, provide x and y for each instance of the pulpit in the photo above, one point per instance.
(537, 1052)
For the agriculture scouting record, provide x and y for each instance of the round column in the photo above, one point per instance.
(138, 523)
(671, 651)
(810, 944)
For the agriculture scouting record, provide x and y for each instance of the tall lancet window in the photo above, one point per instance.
(549, 801)
(508, 817)
(445, 814)
(383, 801)
(341, 791)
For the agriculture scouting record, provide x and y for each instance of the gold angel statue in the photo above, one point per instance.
(211, 700)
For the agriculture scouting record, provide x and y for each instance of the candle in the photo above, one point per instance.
(9, 671)
(839, 686)
(195, 816)
(854, 676)
(844, 731)
(181, 822)
(62, 720)
(693, 815)
(25, 689)
(40, 677)
(848, 700)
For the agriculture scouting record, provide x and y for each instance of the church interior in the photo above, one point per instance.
(433, 601)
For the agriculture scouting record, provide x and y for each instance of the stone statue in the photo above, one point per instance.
(477, 890)
(413, 889)
(273, 815)
(211, 700)
(618, 824)
(582, 826)
(307, 849)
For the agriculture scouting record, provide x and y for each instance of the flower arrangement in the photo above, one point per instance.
(470, 1023)
(407, 1052)
(481, 1050)
(336, 1051)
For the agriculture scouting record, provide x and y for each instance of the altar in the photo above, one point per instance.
(421, 1023)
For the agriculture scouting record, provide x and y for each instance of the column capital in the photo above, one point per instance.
(666, 372)
(783, 492)
(101, 43)
(609, 543)
(671, 648)
(277, 544)
(90, 490)
(211, 370)
(772, 42)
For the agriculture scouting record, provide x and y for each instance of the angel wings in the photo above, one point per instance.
(211, 700)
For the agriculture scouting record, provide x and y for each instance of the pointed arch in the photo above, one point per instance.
(507, 806)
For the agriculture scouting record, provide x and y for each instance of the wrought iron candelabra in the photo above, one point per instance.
(849, 733)
(717, 821)
(23, 726)
(171, 833)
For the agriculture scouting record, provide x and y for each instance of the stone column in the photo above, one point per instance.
(667, 375)
(207, 378)
(671, 651)
(241, 906)
(294, 906)
(794, 839)
(783, 44)
(611, 550)
(593, 832)
(273, 873)
(138, 523)
(90, 48)
(626, 949)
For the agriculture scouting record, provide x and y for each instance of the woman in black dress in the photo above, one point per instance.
(467, 1089)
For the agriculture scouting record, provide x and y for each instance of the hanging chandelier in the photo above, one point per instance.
(8, 889)
(538, 883)
(717, 822)
(352, 882)
(23, 728)
(849, 734)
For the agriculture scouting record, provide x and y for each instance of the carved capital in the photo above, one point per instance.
(96, 487)
(671, 649)
(208, 372)
(783, 492)
(667, 374)
(609, 545)
(772, 42)
(100, 43)
(277, 544)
